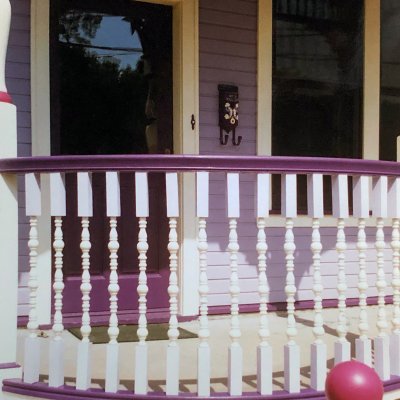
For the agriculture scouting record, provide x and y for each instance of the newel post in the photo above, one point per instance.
(8, 217)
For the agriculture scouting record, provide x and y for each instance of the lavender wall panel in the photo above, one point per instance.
(228, 55)
(18, 84)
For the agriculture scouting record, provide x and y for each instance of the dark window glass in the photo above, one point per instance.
(317, 81)
(390, 79)
(111, 77)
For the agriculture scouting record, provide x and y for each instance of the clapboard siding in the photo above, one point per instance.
(228, 55)
(18, 85)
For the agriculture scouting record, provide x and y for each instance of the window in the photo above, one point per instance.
(317, 78)
(111, 77)
(317, 83)
(390, 80)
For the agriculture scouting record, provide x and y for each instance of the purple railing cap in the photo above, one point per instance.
(172, 163)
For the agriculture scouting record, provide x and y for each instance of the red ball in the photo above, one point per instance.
(352, 380)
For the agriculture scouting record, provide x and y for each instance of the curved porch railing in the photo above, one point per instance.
(375, 186)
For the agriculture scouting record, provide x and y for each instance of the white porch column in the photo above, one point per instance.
(5, 20)
(8, 217)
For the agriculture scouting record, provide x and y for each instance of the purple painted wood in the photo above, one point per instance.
(187, 163)
(235, 6)
(9, 365)
(159, 316)
(299, 305)
(41, 390)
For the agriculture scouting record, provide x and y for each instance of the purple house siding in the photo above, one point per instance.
(18, 84)
(228, 55)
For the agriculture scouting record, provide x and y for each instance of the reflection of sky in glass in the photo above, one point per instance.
(114, 32)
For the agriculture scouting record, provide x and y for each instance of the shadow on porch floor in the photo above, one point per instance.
(219, 342)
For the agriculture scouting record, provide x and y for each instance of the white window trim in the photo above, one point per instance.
(186, 140)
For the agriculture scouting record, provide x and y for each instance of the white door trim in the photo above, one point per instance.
(186, 140)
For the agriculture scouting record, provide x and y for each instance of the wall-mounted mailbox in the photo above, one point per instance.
(228, 113)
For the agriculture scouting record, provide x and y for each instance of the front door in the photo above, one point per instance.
(111, 93)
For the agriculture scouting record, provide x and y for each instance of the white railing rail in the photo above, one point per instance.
(384, 204)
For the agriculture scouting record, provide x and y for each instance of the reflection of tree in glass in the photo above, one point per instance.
(108, 105)
(102, 106)
(74, 23)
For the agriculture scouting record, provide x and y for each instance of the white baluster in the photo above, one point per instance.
(340, 205)
(235, 350)
(58, 211)
(203, 351)
(291, 350)
(264, 349)
(113, 211)
(395, 338)
(85, 210)
(315, 201)
(173, 288)
(361, 211)
(142, 212)
(32, 344)
(394, 212)
(381, 342)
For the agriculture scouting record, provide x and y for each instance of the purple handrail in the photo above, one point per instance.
(173, 163)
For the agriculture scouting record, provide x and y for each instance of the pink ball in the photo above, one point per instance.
(352, 380)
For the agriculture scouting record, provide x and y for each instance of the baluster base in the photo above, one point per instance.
(395, 354)
(382, 357)
(235, 374)
(56, 363)
(318, 365)
(203, 370)
(342, 352)
(112, 365)
(363, 351)
(172, 388)
(264, 369)
(141, 369)
(84, 366)
(292, 368)
(31, 359)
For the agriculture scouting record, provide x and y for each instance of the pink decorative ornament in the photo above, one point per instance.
(352, 380)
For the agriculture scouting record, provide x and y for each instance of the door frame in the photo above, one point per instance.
(186, 140)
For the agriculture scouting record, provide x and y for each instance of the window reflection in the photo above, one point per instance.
(111, 77)
(317, 81)
(317, 77)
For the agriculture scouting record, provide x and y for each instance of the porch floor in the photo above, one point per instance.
(219, 342)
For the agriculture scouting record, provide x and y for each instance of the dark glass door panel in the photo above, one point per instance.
(111, 93)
